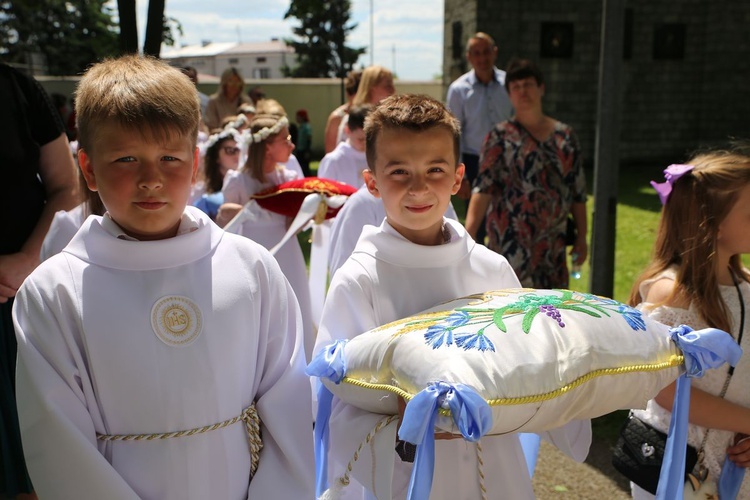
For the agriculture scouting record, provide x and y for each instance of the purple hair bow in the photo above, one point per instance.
(671, 174)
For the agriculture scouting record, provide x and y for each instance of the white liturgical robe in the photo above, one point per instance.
(388, 278)
(137, 337)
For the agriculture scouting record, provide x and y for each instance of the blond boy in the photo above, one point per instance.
(154, 341)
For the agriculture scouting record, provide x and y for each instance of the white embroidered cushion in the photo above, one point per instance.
(540, 358)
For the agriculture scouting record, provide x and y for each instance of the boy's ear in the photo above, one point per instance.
(87, 169)
(458, 178)
(371, 182)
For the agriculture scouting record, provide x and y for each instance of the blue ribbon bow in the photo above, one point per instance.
(470, 412)
(703, 349)
(329, 363)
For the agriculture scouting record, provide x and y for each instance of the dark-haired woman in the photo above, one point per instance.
(530, 179)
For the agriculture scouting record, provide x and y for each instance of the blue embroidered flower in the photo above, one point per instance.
(437, 335)
(600, 300)
(458, 318)
(474, 341)
(442, 333)
(633, 317)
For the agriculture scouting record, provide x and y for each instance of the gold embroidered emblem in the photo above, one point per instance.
(176, 320)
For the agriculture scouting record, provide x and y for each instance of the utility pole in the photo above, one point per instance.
(372, 31)
(607, 155)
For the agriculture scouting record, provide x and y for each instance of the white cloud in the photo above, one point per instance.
(414, 28)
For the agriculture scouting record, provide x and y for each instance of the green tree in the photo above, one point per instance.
(70, 35)
(320, 41)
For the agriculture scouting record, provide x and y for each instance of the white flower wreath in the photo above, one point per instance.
(266, 132)
(220, 136)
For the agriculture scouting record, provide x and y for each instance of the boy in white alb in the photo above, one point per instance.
(346, 162)
(416, 259)
(159, 357)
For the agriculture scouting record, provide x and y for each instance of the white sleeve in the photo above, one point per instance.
(284, 403)
(233, 188)
(573, 439)
(347, 227)
(61, 231)
(293, 165)
(324, 167)
(345, 233)
(54, 395)
(347, 313)
(454, 102)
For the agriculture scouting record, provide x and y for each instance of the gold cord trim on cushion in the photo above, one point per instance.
(249, 416)
(674, 360)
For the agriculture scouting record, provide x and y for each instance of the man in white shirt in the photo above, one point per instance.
(479, 100)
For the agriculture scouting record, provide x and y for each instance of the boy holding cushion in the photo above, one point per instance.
(157, 353)
(417, 259)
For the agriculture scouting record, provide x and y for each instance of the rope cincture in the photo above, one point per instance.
(346, 478)
(249, 416)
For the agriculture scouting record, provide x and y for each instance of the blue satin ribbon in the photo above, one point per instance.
(470, 412)
(530, 446)
(702, 349)
(329, 363)
(730, 479)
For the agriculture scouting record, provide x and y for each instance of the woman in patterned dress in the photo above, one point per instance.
(530, 178)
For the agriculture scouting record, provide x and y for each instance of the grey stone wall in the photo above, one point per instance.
(669, 107)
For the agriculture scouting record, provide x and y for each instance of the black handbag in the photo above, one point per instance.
(639, 453)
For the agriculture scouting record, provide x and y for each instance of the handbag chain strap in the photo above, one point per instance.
(730, 372)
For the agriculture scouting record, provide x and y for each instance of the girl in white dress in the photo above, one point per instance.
(270, 148)
(222, 155)
(696, 278)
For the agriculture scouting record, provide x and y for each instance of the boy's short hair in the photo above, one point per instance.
(357, 115)
(137, 93)
(416, 113)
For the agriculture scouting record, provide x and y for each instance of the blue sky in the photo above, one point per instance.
(414, 28)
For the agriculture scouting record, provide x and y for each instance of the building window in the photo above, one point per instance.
(261, 73)
(456, 35)
(234, 60)
(669, 41)
(260, 60)
(557, 40)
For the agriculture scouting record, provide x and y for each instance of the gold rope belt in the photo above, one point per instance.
(249, 416)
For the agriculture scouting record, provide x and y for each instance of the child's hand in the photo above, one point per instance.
(580, 249)
(739, 452)
(226, 213)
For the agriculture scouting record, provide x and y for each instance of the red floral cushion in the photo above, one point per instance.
(286, 199)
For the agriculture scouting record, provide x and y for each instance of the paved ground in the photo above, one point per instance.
(558, 477)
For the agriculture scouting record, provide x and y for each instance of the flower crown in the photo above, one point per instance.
(220, 136)
(240, 121)
(266, 132)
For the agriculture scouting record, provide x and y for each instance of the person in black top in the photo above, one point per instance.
(39, 176)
